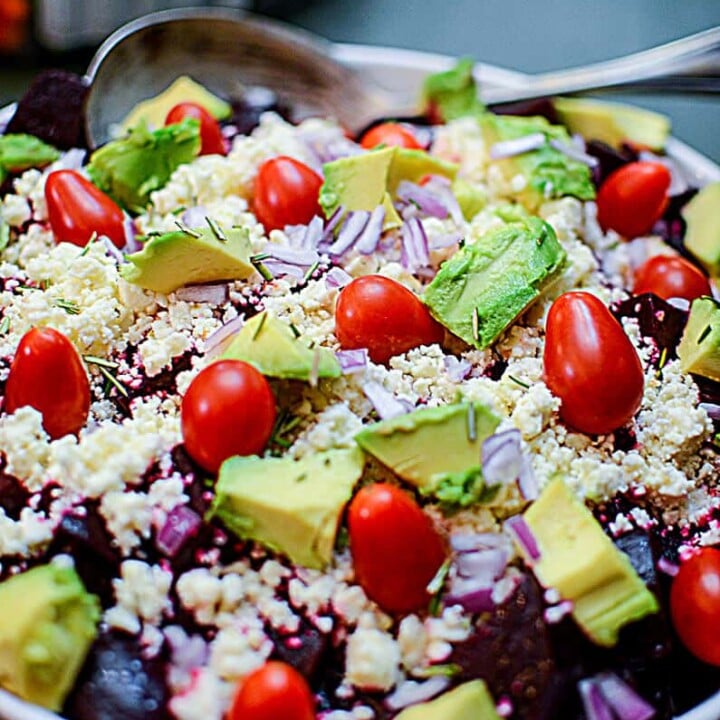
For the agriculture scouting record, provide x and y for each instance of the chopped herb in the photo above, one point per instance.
(69, 306)
(188, 231)
(471, 425)
(113, 381)
(704, 334)
(102, 362)
(216, 229)
(311, 270)
(178, 211)
(301, 478)
(4, 325)
(256, 261)
(295, 331)
(446, 670)
(342, 539)
(260, 326)
(89, 244)
(4, 234)
(283, 426)
(435, 587)
(476, 325)
(661, 362)
(519, 382)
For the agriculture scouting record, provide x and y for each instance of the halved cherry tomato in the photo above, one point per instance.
(48, 374)
(695, 605)
(633, 198)
(228, 409)
(395, 547)
(286, 193)
(77, 209)
(591, 365)
(275, 691)
(390, 133)
(380, 314)
(212, 141)
(670, 276)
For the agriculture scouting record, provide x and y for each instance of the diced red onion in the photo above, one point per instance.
(667, 567)
(181, 524)
(524, 537)
(337, 278)
(385, 403)
(291, 256)
(352, 361)
(350, 232)
(470, 542)
(517, 146)
(313, 234)
(471, 595)
(575, 153)
(369, 238)
(440, 242)
(415, 252)
(527, 482)
(442, 187)
(487, 565)
(412, 693)
(332, 222)
(501, 457)
(594, 704)
(622, 699)
(278, 268)
(427, 201)
(195, 217)
(680, 303)
(111, 250)
(131, 243)
(215, 294)
(711, 409)
(456, 368)
(215, 341)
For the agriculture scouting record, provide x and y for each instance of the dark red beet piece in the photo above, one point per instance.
(610, 159)
(529, 108)
(303, 650)
(14, 495)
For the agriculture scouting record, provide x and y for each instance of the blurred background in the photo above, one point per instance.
(525, 35)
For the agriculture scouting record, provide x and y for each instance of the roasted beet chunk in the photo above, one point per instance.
(14, 495)
(303, 650)
(52, 110)
(610, 159)
(529, 108)
(118, 683)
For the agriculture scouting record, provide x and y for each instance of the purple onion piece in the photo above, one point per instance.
(415, 252)
(181, 524)
(6, 115)
(131, 242)
(456, 368)
(352, 361)
(667, 567)
(332, 222)
(469, 542)
(337, 278)
(194, 217)
(679, 183)
(527, 482)
(679, 303)
(350, 232)
(291, 256)
(594, 704)
(473, 601)
(112, 251)
(385, 403)
(313, 234)
(423, 198)
(215, 341)
(369, 238)
(501, 457)
(482, 565)
(712, 409)
(524, 537)
(575, 153)
(278, 269)
(215, 294)
(622, 699)
(517, 146)
(412, 693)
(444, 241)
(70, 160)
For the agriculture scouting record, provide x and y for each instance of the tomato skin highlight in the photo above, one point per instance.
(212, 141)
(286, 193)
(77, 209)
(228, 409)
(380, 314)
(671, 276)
(633, 198)
(390, 134)
(591, 365)
(695, 605)
(48, 374)
(395, 547)
(275, 691)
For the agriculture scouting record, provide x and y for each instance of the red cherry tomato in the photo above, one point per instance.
(275, 691)
(380, 314)
(77, 209)
(286, 193)
(695, 605)
(229, 409)
(591, 365)
(390, 134)
(212, 141)
(48, 374)
(633, 198)
(670, 276)
(395, 547)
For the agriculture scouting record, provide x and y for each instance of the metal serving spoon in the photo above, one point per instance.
(228, 50)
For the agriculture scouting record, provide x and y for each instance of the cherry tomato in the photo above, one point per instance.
(670, 276)
(212, 141)
(48, 374)
(695, 605)
(633, 198)
(286, 193)
(591, 365)
(395, 547)
(274, 691)
(228, 409)
(390, 133)
(380, 314)
(77, 209)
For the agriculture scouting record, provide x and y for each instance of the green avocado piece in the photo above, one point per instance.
(290, 506)
(549, 172)
(432, 447)
(19, 152)
(276, 350)
(702, 235)
(479, 291)
(452, 94)
(699, 347)
(613, 123)
(50, 623)
(131, 168)
(188, 257)
(471, 198)
(154, 110)
(580, 561)
(470, 701)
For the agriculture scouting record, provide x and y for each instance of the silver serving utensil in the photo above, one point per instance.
(227, 50)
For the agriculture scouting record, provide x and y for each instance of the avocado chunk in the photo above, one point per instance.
(470, 701)
(699, 347)
(187, 257)
(549, 172)
(452, 94)
(580, 561)
(49, 625)
(154, 110)
(276, 350)
(431, 447)
(472, 198)
(19, 152)
(362, 182)
(613, 123)
(702, 234)
(485, 286)
(131, 168)
(290, 506)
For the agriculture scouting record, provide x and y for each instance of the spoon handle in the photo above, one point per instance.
(687, 65)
